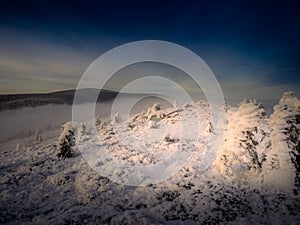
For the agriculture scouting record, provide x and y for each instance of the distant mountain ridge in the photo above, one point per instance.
(17, 101)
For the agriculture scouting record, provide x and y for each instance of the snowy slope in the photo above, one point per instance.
(37, 187)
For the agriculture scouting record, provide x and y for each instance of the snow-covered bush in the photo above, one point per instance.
(209, 128)
(66, 140)
(39, 138)
(152, 124)
(188, 105)
(153, 114)
(97, 120)
(170, 139)
(18, 146)
(116, 118)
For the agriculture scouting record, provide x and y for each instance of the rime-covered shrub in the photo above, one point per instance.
(170, 139)
(152, 124)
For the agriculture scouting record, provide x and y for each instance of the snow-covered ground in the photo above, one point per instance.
(253, 180)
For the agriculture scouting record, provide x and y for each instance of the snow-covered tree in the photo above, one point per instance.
(281, 169)
(66, 140)
(245, 140)
(293, 140)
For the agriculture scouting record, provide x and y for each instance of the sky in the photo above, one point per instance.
(251, 46)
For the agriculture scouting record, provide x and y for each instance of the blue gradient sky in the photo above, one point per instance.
(253, 48)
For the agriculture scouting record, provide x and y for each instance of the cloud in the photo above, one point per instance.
(30, 65)
(43, 63)
(241, 89)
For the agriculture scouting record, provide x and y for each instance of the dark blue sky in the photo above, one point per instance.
(253, 48)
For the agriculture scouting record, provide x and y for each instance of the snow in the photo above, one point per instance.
(252, 180)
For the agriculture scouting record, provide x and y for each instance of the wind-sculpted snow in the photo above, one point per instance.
(253, 179)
